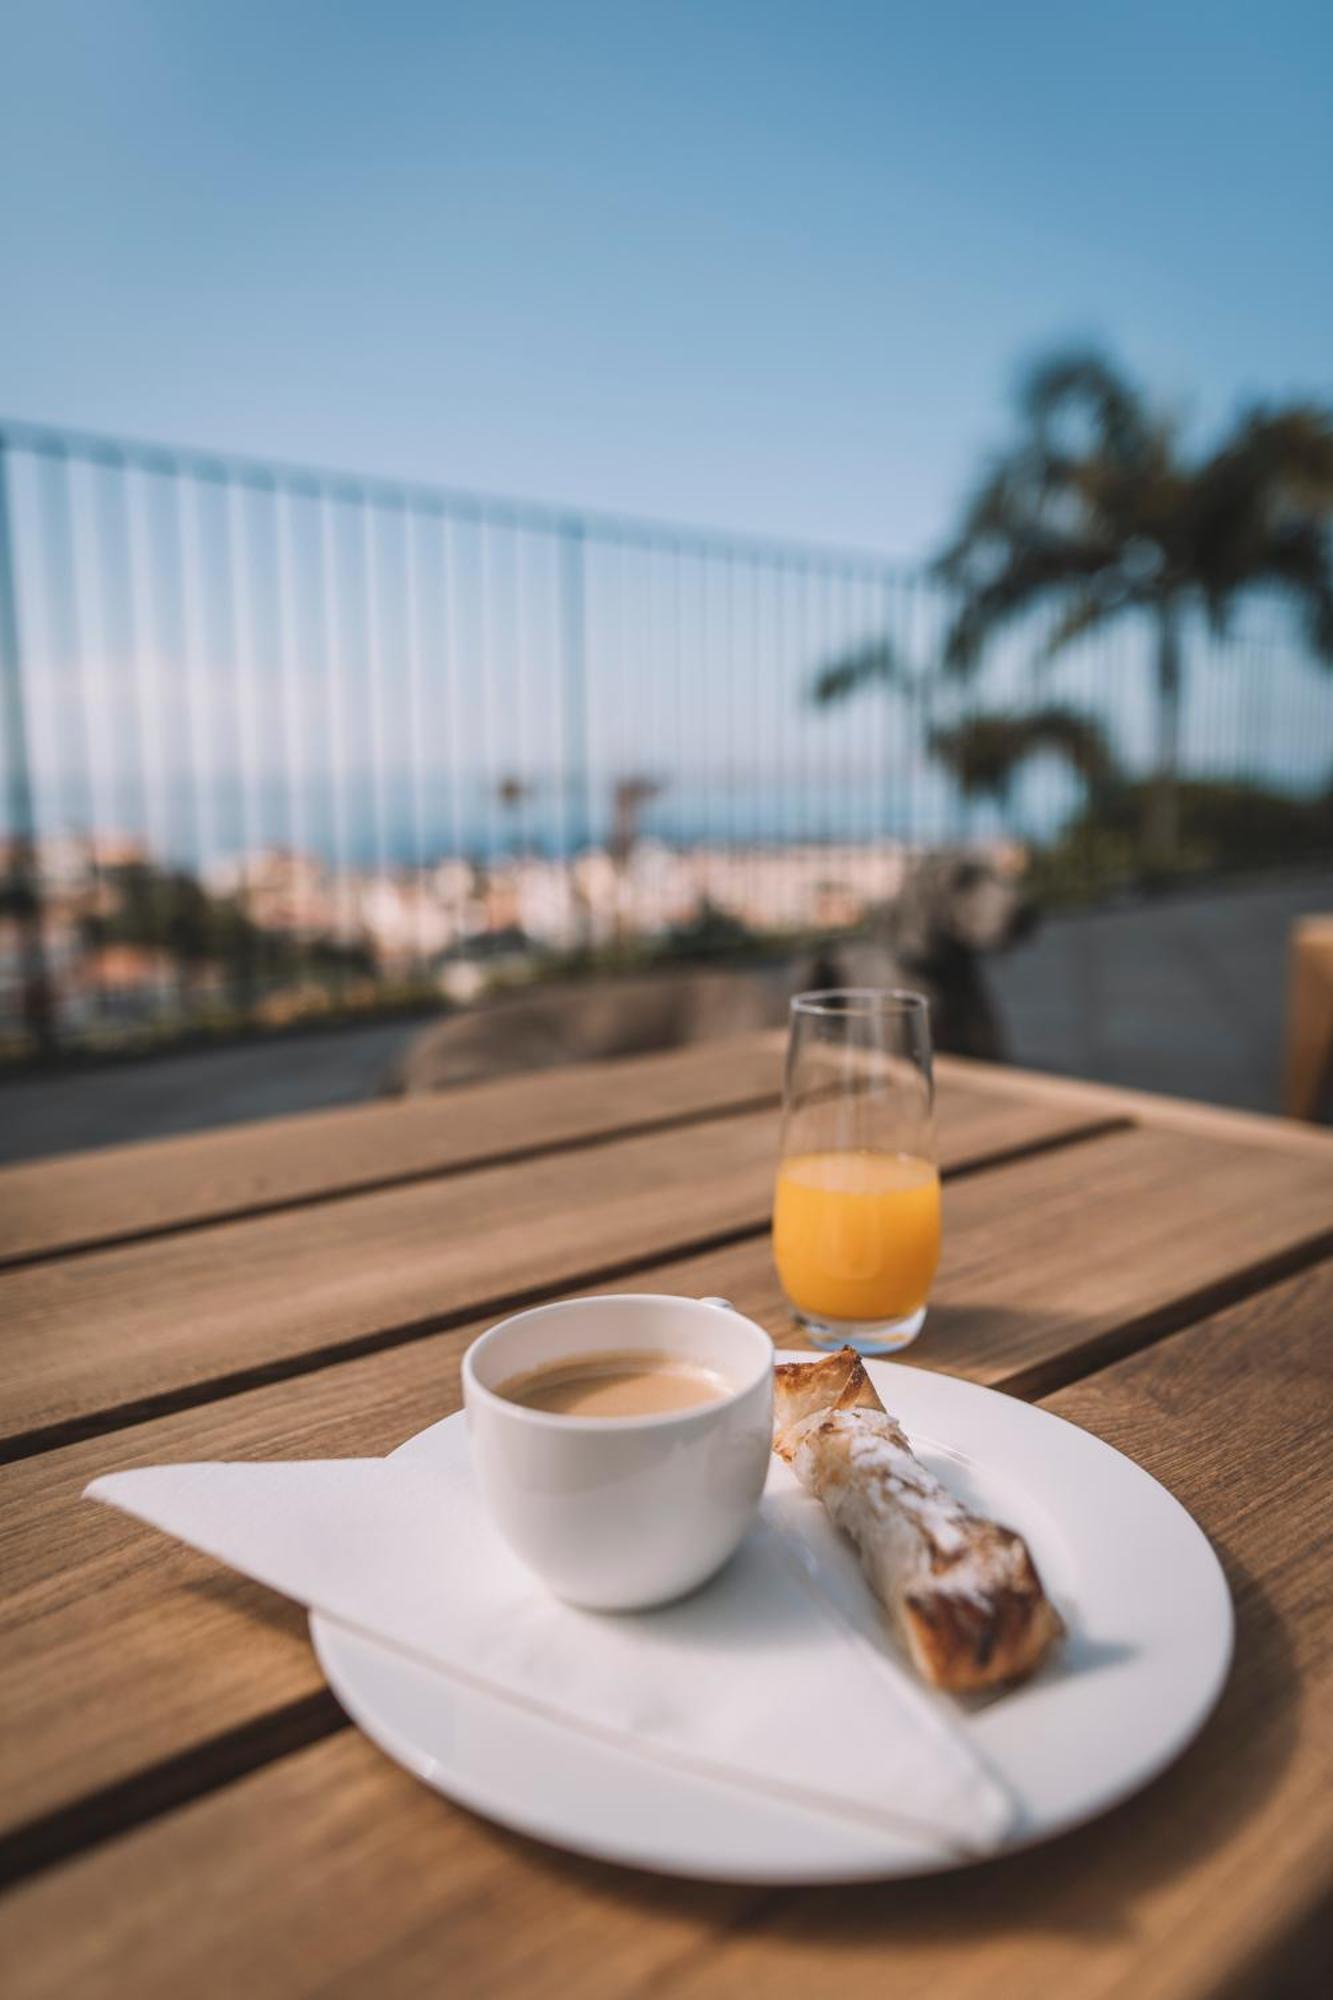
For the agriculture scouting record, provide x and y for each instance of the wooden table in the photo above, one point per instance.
(186, 1809)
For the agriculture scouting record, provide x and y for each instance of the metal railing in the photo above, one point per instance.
(278, 739)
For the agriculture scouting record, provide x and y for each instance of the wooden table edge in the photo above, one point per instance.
(1143, 1107)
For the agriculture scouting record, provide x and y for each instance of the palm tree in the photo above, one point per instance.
(1096, 510)
(513, 793)
(985, 752)
(629, 797)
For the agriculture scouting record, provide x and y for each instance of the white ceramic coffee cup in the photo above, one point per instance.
(617, 1513)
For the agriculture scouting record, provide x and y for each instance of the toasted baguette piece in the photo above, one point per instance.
(963, 1592)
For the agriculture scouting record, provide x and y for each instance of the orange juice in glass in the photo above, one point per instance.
(856, 1212)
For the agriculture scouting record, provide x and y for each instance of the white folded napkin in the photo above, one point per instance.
(760, 1679)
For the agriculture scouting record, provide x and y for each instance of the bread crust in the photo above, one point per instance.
(963, 1591)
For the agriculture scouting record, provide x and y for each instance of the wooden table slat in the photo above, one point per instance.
(333, 1870)
(134, 1190)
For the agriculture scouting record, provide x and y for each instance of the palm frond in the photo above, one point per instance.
(1086, 611)
(1275, 469)
(1297, 557)
(1287, 452)
(1032, 571)
(874, 664)
(1082, 382)
(985, 752)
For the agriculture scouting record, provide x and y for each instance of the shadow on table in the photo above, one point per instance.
(1084, 1884)
(240, 1596)
(959, 1336)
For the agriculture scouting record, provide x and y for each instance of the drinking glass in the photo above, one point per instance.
(856, 1215)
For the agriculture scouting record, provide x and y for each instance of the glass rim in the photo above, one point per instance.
(844, 1000)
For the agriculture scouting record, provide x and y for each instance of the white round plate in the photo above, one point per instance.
(1147, 1652)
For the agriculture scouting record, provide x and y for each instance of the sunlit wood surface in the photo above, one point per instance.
(183, 1806)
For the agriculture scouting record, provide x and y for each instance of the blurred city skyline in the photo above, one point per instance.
(766, 267)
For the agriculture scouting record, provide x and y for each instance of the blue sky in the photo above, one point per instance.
(764, 265)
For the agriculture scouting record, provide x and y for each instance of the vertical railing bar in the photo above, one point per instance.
(485, 709)
(619, 681)
(332, 651)
(867, 745)
(706, 666)
(101, 708)
(840, 816)
(751, 791)
(657, 655)
(856, 731)
(605, 693)
(676, 724)
(780, 701)
(235, 673)
(877, 617)
(641, 638)
(38, 1002)
(164, 618)
(521, 845)
(862, 736)
(845, 745)
(796, 737)
(511, 705)
(412, 610)
(188, 526)
(145, 639)
(515, 692)
(539, 627)
(747, 598)
(650, 626)
(731, 696)
(294, 745)
(116, 547)
(609, 670)
(787, 826)
(574, 680)
(241, 617)
(805, 748)
(90, 677)
(851, 776)
(1235, 710)
(1262, 705)
(920, 668)
(755, 868)
(816, 652)
(375, 664)
(454, 669)
(562, 818)
(827, 761)
(890, 829)
(112, 528)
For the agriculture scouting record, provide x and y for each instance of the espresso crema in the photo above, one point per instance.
(630, 1382)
